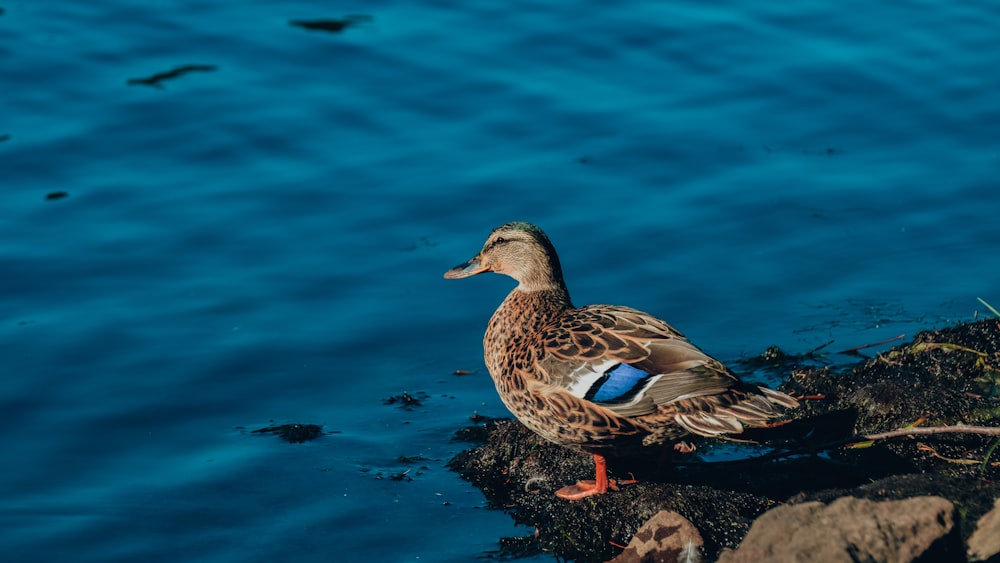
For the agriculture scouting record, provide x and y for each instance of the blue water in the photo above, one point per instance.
(263, 240)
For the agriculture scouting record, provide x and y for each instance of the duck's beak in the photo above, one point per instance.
(470, 268)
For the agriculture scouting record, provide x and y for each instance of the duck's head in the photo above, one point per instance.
(519, 250)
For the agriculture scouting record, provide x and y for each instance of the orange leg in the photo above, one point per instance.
(599, 486)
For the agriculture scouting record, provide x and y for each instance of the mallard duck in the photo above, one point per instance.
(600, 378)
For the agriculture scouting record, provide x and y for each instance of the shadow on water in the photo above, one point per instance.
(333, 25)
(156, 80)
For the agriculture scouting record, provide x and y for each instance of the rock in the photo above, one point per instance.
(984, 543)
(851, 529)
(942, 377)
(517, 468)
(667, 537)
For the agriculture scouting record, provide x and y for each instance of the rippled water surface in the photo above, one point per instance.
(214, 220)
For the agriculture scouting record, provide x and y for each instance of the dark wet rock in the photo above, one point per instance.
(479, 433)
(984, 543)
(851, 529)
(772, 356)
(407, 400)
(292, 433)
(398, 476)
(942, 377)
(667, 537)
(514, 548)
(520, 472)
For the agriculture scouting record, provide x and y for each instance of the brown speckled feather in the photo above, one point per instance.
(600, 377)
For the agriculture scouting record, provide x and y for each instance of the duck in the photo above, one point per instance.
(601, 379)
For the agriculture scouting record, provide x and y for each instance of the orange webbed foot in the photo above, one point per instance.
(581, 490)
(589, 488)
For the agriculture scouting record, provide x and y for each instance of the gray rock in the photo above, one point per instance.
(984, 543)
(667, 537)
(851, 529)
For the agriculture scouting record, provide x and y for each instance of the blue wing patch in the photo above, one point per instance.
(619, 384)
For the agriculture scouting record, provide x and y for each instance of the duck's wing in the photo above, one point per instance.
(634, 364)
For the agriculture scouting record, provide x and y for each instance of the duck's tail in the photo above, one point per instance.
(731, 412)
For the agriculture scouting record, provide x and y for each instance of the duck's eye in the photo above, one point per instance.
(499, 240)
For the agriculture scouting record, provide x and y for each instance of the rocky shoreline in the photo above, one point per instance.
(812, 489)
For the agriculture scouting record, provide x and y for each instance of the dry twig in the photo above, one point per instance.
(954, 429)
